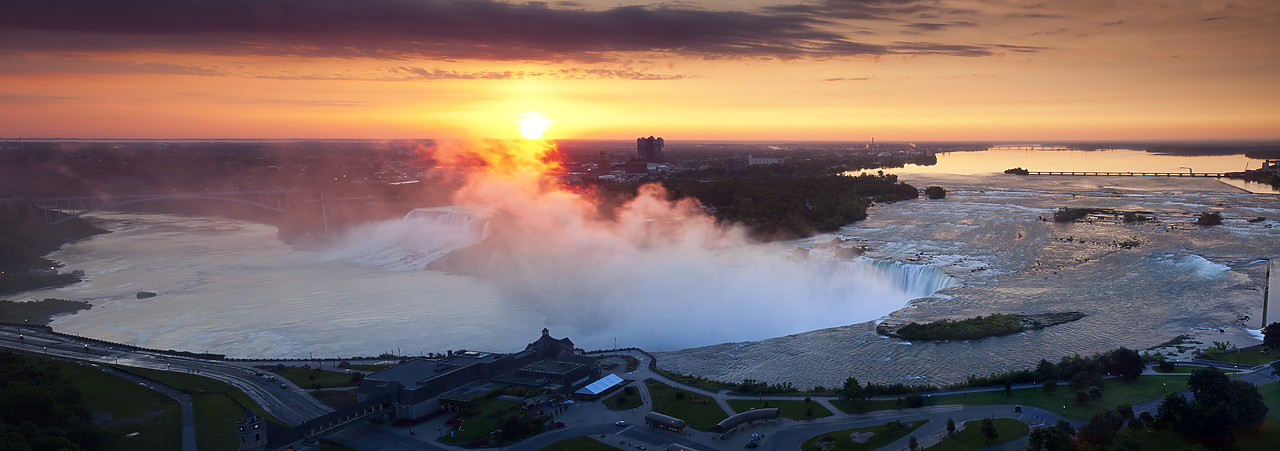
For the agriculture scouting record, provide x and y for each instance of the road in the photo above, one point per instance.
(291, 405)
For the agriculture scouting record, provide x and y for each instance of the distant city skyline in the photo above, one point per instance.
(899, 70)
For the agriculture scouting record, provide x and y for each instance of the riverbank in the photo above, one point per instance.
(25, 242)
(38, 313)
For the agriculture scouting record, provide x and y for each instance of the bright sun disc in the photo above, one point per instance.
(533, 125)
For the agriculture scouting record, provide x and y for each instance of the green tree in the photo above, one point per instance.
(1125, 363)
(989, 431)
(1047, 370)
(852, 391)
(1271, 335)
(912, 444)
(951, 426)
(1050, 386)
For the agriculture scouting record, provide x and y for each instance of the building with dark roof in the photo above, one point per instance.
(416, 385)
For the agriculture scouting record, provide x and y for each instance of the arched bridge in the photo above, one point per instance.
(61, 209)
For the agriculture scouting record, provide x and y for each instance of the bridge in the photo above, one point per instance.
(61, 209)
(1137, 174)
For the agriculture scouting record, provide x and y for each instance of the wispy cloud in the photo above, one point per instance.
(11, 98)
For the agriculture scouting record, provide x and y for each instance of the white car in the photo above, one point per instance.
(620, 423)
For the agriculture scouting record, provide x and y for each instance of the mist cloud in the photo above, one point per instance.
(659, 273)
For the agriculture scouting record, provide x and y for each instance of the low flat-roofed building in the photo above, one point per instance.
(416, 384)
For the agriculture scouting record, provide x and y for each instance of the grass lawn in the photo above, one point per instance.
(482, 424)
(867, 406)
(579, 444)
(336, 398)
(370, 368)
(882, 437)
(302, 377)
(795, 410)
(1247, 357)
(1115, 392)
(701, 414)
(216, 411)
(620, 400)
(971, 437)
(1190, 368)
(155, 417)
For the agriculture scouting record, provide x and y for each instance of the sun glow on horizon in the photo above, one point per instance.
(533, 125)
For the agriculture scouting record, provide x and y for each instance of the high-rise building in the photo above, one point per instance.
(649, 149)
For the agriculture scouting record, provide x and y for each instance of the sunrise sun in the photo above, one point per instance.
(533, 124)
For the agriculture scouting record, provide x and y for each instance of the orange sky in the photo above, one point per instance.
(753, 70)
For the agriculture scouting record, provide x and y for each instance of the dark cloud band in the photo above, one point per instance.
(445, 29)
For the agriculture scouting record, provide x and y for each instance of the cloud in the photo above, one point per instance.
(11, 98)
(847, 79)
(930, 26)
(412, 73)
(20, 65)
(443, 29)
(1059, 30)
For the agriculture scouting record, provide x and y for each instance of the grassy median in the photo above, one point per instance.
(700, 411)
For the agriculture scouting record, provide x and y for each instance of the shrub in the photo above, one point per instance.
(1209, 218)
(1095, 392)
(1050, 386)
(1065, 214)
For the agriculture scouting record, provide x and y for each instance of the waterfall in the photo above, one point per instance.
(419, 238)
(916, 280)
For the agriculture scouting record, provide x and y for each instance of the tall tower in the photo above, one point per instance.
(649, 149)
(252, 433)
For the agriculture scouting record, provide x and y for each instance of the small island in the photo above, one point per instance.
(976, 327)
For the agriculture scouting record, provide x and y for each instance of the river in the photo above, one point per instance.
(231, 287)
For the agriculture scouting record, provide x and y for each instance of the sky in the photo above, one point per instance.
(918, 70)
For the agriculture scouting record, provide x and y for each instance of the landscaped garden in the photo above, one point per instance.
(1252, 356)
(699, 411)
(880, 436)
(316, 378)
(497, 420)
(625, 399)
(1114, 393)
(792, 409)
(972, 436)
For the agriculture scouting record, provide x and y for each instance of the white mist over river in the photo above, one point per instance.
(232, 287)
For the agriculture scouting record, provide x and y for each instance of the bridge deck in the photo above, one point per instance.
(1132, 174)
